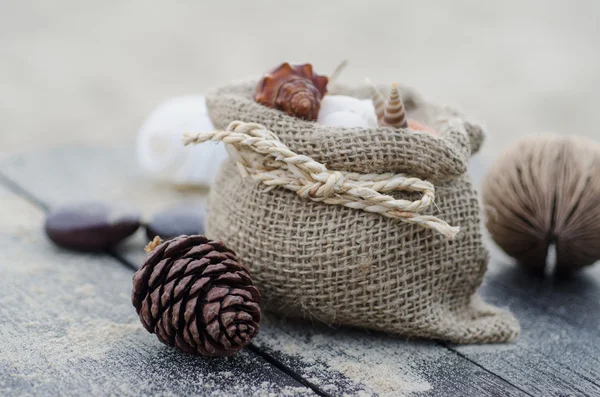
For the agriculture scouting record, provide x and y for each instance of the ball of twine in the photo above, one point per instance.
(542, 193)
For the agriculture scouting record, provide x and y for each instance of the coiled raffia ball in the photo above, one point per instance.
(542, 193)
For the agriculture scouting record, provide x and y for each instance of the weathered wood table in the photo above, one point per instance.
(68, 328)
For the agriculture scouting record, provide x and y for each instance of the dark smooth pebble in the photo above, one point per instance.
(91, 226)
(174, 221)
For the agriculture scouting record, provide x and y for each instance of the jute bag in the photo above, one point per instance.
(375, 228)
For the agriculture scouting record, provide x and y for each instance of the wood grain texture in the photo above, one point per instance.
(556, 354)
(378, 364)
(429, 368)
(68, 328)
(575, 298)
(86, 173)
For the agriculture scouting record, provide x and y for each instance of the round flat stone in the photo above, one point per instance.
(184, 218)
(91, 226)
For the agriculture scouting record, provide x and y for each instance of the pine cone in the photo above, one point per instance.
(195, 295)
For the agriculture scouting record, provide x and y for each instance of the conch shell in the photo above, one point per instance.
(394, 114)
(295, 90)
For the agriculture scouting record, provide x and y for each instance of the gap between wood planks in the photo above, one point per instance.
(252, 347)
(278, 364)
(26, 195)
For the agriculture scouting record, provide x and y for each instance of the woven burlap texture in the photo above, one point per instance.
(344, 266)
(259, 154)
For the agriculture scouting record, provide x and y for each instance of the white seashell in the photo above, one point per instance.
(378, 100)
(344, 119)
(159, 147)
(332, 104)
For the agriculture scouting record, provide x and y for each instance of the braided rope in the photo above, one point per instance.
(260, 155)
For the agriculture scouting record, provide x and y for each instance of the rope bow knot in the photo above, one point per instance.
(260, 154)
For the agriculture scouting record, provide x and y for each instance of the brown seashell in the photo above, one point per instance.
(295, 90)
(394, 114)
(543, 193)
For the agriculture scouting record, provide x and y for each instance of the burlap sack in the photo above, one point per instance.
(347, 266)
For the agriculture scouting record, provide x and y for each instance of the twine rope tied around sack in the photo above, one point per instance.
(260, 154)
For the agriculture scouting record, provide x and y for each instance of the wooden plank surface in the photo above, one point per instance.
(380, 364)
(429, 368)
(575, 298)
(552, 356)
(109, 175)
(68, 328)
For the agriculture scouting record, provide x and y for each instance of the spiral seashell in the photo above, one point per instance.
(295, 90)
(378, 100)
(394, 114)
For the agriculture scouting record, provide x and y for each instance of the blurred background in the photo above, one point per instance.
(90, 72)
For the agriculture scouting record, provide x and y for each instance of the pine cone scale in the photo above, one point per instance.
(195, 333)
(168, 293)
(227, 318)
(214, 269)
(157, 274)
(146, 316)
(177, 245)
(182, 285)
(231, 300)
(183, 345)
(217, 293)
(195, 295)
(157, 252)
(199, 284)
(165, 321)
(178, 267)
(244, 294)
(197, 266)
(210, 312)
(176, 316)
(199, 250)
